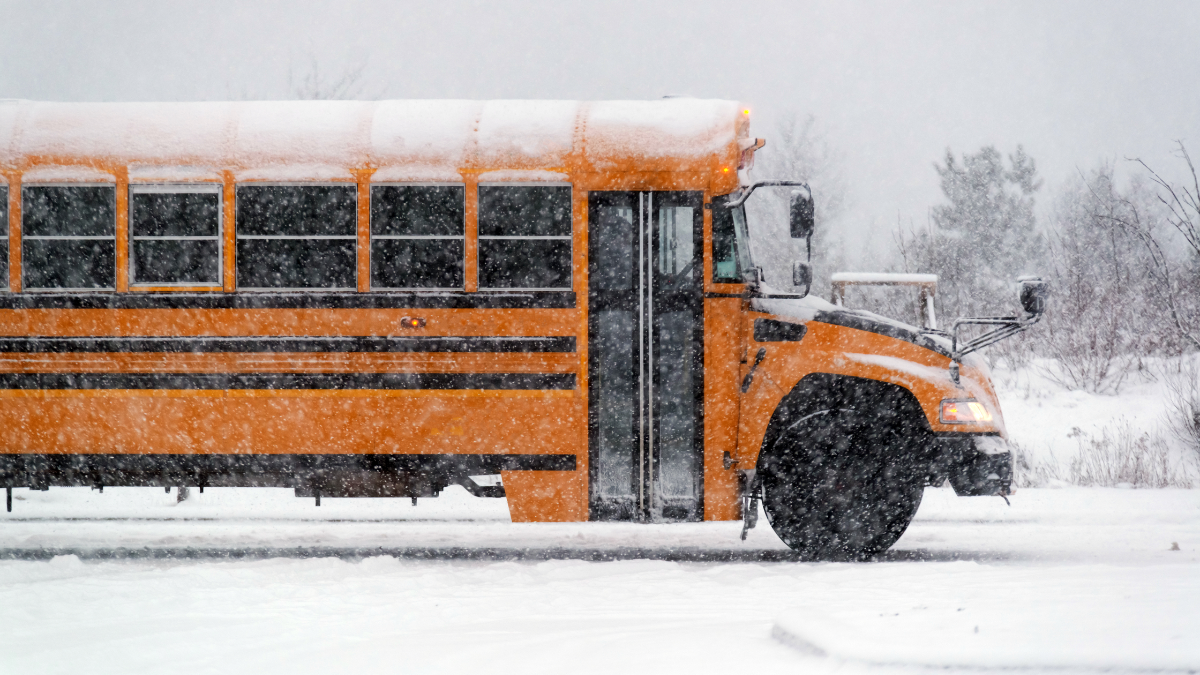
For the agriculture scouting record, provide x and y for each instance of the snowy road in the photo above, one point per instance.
(1082, 578)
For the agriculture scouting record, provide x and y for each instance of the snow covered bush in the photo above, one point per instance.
(1183, 403)
(1123, 456)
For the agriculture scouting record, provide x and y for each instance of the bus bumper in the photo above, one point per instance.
(976, 466)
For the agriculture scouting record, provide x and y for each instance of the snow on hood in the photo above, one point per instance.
(437, 135)
(801, 309)
(812, 308)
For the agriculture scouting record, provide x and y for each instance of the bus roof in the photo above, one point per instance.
(406, 140)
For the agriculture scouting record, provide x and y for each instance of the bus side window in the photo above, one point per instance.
(724, 243)
(525, 237)
(4, 237)
(297, 236)
(69, 237)
(418, 236)
(175, 235)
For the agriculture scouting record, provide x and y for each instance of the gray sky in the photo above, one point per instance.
(892, 84)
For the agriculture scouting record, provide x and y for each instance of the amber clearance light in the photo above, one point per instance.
(412, 322)
(964, 411)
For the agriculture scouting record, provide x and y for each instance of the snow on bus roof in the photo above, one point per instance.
(440, 136)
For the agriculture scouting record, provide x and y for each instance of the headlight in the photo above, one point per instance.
(964, 411)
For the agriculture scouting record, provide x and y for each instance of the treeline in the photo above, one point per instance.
(1123, 261)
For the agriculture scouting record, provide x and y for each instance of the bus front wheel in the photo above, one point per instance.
(839, 485)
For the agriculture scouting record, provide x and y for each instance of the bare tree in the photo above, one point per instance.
(312, 84)
(1104, 316)
(798, 149)
(1178, 280)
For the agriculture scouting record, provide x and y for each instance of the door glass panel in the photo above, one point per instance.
(676, 403)
(612, 281)
(676, 249)
(616, 407)
(675, 311)
(612, 261)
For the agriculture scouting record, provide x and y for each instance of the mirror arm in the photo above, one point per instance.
(744, 193)
(752, 293)
(1008, 327)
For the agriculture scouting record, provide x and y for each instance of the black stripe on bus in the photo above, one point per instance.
(40, 344)
(249, 469)
(523, 381)
(290, 300)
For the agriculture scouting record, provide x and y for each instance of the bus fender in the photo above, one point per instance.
(891, 404)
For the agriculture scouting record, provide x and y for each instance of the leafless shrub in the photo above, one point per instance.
(1014, 353)
(1183, 403)
(1123, 456)
(1103, 316)
(1031, 471)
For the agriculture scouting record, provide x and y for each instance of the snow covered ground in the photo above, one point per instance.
(258, 581)
(253, 581)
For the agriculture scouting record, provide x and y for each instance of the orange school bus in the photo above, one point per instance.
(358, 299)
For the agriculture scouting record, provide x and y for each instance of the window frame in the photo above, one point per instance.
(28, 237)
(372, 237)
(238, 236)
(568, 237)
(178, 188)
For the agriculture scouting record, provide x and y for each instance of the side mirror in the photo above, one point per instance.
(802, 275)
(802, 215)
(1033, 295)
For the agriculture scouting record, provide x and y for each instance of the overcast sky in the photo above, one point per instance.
(892, 84)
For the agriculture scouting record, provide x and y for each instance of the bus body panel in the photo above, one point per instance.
(723, 349)
(840, 350)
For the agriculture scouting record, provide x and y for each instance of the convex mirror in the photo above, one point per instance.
(1033, 295)
(802, 275)
(802, 215)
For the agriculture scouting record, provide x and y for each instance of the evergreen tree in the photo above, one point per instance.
(986, 235)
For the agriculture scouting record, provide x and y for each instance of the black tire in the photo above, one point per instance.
(839, 484)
